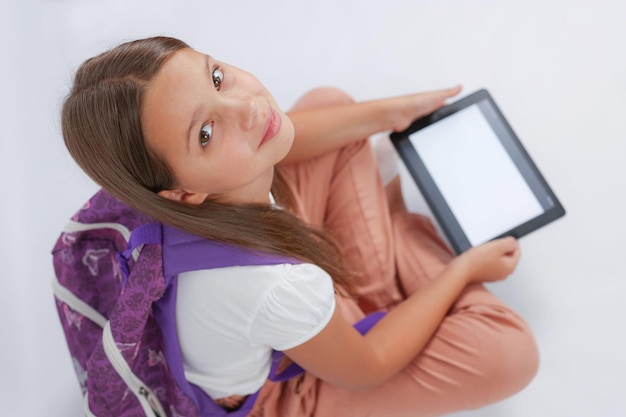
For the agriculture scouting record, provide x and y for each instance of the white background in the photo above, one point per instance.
(556, 68)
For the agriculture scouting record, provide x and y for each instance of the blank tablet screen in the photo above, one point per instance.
(475, 174)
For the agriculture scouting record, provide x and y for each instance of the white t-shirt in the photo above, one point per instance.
(230, 319)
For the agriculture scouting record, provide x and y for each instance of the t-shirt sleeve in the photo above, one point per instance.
(296, 309)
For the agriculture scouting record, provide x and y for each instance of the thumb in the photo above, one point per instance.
(508, 244)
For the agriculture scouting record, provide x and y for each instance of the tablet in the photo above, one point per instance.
(474, 173)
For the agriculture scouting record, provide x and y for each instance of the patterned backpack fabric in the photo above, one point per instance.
(107, 295)
(107, 317)
(115, 291)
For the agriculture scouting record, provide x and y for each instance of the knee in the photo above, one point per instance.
(511, 357)
(322, 97)
(522, 359)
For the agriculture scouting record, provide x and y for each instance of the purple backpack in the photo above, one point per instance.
(115, 292)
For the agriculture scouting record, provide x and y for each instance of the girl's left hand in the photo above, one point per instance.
(408, 108)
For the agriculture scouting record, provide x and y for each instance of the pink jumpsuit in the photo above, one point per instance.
(481, 353)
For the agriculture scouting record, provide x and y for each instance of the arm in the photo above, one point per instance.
(341, 356)
(319, 130)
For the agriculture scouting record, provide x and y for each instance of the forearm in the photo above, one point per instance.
(341, 356)
(320, 130)
(406, 329)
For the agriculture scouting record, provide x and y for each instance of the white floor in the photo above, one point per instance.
(557, 69)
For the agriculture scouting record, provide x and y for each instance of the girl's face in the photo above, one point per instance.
(217, 128)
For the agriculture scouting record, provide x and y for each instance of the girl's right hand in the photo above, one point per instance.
(339, 355)
(491, 261)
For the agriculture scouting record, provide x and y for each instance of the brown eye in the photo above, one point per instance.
(218, 77)
(205, 134)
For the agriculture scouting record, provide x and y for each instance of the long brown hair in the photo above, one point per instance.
(102, 131)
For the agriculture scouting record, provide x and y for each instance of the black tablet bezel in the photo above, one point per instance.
(522, 160)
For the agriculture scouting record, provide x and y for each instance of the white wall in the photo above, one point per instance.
(557, 69)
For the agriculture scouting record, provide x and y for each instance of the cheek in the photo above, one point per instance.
(188, 178)
(217, 172)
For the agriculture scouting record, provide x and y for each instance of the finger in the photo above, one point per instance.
(449, 92)
(512, 256)
(507, 244)
(454, 90)
(440, 98)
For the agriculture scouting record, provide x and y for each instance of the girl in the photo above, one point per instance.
(202, 146)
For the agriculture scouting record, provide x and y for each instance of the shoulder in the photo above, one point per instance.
(242, 293)
(295, 308)
(275, 305)
(297, 285)
(256, 279)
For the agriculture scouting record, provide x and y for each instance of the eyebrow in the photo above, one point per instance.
(195, 118)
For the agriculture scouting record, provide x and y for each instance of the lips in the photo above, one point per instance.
(272, 126)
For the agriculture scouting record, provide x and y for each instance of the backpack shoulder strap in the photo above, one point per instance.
(149, 233)
(184, 252)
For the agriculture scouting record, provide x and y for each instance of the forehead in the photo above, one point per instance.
(178, 73)
(183, 62)
(171, 98)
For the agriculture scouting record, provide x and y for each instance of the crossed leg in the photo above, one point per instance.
(481, 353)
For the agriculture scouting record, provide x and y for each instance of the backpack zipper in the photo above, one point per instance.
(148, 400)
(153, 401)
(68, 297)
(86, 408)
(74, 226)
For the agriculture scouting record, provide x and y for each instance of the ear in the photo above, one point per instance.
(183, 196)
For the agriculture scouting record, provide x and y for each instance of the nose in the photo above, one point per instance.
(244, 110)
